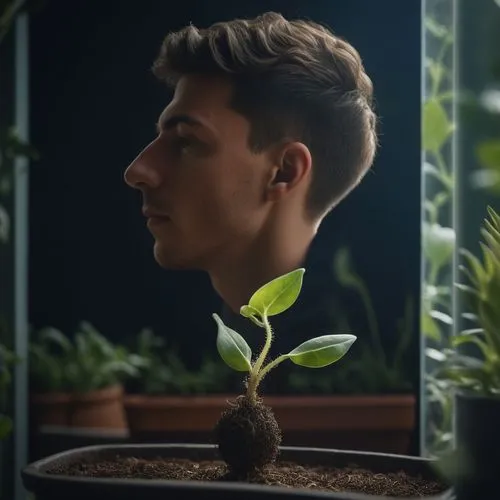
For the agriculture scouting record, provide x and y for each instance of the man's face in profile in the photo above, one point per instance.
(202, 187)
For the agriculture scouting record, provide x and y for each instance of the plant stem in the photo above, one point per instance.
(433, 274)
(270, 366)
(254, 374)
(372, 320)
(439, 61)
(441, 164)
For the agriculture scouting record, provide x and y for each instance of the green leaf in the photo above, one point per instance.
(474, 266)
(436, 126)
(440, 199)
(494, 232)
(438, 243)
(431, 170)
(321, 351)
(486, 178)
(342, 266)
(437, 29)
(5, 426)
(490, 237)
(442, 317)
(248, 311)
(252, 314)
(232, 347)
(55, 336)
(435, 354)
(473, 331)
(488, 154)
(436, 72)
(458, 340)
(468, 289)
(495, 218)
(278, 295)
(430, 327)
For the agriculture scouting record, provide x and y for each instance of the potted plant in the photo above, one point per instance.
(473, 370)
(7, 361)
(79, 383)
(247, 460)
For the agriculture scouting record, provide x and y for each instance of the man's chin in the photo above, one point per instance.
(169, 261)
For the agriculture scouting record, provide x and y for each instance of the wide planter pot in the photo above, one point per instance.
(375, 423)
(101, 409)
(49, 478)
(477, 454)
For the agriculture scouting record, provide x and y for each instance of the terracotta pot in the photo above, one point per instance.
(373, 423)
(164, 414)
(101, 409)
(50, 409)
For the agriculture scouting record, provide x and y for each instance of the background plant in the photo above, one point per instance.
(373, 367)
(11, 146)
(7, 361)
(165, 373)
(479, 369)
(87, 362)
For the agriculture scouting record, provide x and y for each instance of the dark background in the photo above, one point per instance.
(93, 106)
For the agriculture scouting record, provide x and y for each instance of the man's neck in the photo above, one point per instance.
(238, 276)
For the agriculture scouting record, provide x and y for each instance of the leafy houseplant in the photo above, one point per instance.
(164, 372)
(79, 383)
(248, 439)
(483, 290)
(7, 360)
(473, 368)
(375, 370)
(167, 400)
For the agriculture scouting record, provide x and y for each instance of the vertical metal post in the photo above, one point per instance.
(21, 240)
(422, 343)
(456, 223)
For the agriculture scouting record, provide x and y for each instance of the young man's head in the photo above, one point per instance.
(271, 126)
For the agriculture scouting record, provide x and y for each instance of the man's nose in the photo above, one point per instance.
(143, 172)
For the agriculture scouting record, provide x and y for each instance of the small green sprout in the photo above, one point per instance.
(272, 299)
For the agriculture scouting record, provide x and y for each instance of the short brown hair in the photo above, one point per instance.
(291, 79)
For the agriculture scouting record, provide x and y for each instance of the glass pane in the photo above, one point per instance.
(438, 202)
(460, 178)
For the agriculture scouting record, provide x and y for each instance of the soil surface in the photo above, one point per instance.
(286, 474)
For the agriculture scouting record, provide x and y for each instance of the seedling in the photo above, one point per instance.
(247, 434)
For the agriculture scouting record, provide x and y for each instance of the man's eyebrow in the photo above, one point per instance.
(169, 123)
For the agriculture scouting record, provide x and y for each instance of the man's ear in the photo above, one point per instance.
(292, 168)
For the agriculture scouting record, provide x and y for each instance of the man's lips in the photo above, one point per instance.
(153, 214)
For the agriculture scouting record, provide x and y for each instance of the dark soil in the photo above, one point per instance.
(248, 436)
(286, 474)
